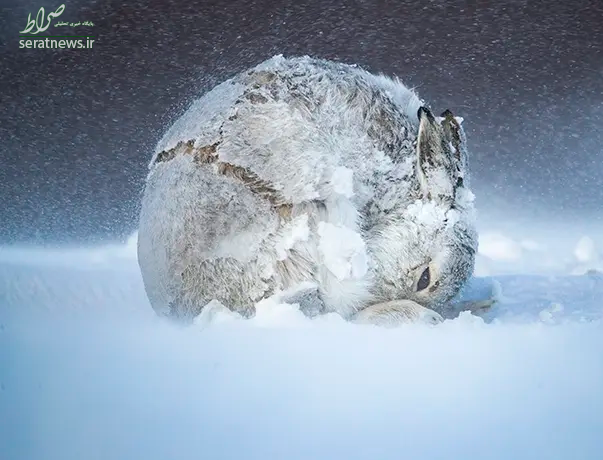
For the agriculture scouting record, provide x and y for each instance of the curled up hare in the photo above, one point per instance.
(314, 180)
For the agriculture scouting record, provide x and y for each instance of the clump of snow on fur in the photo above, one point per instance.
(271, 312)
(465, 197)
(296, 230)
(428, 214)
(343, 181)
(343, 251)
(215, 313)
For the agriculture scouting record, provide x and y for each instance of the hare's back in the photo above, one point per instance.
(295, 123)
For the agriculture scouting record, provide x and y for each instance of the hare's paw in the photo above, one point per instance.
(396, 312)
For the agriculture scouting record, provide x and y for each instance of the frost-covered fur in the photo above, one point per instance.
(312, 177)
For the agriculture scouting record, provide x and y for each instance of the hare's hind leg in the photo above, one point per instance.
(201, 232)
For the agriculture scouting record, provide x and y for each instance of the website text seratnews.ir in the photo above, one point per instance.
(56, 42)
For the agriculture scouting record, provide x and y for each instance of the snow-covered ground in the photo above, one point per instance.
(88, 372)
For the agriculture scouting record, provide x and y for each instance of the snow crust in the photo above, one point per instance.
(88, 371)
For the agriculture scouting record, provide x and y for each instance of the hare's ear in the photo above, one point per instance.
(435, 169)
(455, 136)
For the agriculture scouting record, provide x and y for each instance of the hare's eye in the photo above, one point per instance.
(424, 280)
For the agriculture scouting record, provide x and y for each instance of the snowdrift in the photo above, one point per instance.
(88, 371)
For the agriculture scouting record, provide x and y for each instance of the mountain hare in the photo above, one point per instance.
(314, 180)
